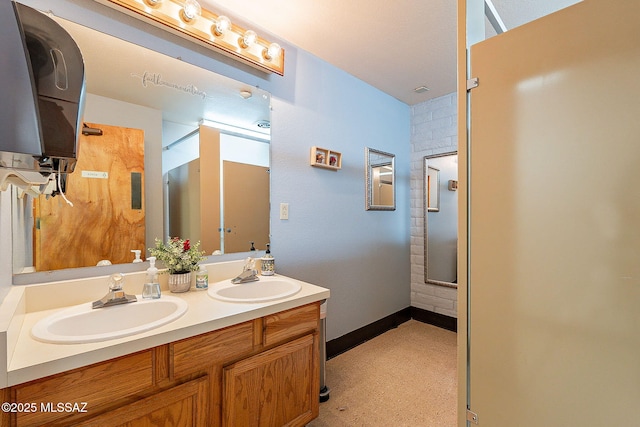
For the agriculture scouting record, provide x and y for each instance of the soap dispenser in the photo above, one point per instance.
(151, 288)
(267, 263)
(136, 252)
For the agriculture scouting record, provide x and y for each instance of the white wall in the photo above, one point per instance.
(244, 150)
(433, 131)
(182, 153)
(362, 256)
(329, 238)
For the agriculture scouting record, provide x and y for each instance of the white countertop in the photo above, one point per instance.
(28, 359)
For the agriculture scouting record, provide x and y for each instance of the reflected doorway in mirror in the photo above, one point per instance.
(380, 180)
(107, 220)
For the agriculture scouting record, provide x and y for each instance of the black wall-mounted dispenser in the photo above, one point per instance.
(43, 91)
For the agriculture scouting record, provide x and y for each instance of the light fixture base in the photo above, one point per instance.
(201, 27)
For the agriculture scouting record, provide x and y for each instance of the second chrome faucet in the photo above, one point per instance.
(249, 273)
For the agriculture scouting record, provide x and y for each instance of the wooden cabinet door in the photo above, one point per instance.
(185, 405)
(278, 387)
(96, 386)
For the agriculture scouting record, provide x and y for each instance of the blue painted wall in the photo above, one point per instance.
(329, 239)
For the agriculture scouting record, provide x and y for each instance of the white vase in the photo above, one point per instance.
(180, 282)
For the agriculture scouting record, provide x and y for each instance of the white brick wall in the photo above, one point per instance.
(433, 131)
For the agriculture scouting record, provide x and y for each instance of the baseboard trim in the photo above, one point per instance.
(436, 319)
(353, 339)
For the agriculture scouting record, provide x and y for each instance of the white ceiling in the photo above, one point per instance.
(396, 46)
(419, 48)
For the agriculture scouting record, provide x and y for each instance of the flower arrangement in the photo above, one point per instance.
(178, 255)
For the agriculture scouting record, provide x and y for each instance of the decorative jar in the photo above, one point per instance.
(180, 282)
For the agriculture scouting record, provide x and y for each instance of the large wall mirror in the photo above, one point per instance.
(380, 180)
(441, 219)
(169, 147)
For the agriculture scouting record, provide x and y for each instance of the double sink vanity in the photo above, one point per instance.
(235, 355)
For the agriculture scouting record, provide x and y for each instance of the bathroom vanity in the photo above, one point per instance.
(221, 363)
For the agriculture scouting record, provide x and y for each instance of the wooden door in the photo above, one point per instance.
(246, 206)
(107, 218)
(554, 271)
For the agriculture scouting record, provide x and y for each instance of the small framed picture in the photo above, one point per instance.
(321, 156)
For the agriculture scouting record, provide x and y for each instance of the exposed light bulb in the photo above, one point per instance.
(272, 52)
(248, 39)
(191, 20)
(190, 10)
(220, 25)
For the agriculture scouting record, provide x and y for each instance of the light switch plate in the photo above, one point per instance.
(284, 210)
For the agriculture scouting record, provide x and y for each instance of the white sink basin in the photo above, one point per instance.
(268, 288)
(82, 324)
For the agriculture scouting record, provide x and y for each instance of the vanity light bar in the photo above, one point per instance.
(189, 20)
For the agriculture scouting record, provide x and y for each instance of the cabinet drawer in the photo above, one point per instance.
(96, 385)
(183, 405)
(200, 352)
(291, 323)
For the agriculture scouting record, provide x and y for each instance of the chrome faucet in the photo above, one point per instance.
(249, 273)
(116, 295)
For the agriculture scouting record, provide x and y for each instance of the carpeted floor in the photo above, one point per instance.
(404, 377)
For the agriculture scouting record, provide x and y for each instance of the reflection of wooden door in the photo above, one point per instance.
(246, 206)
(209, 189)
(107, 218)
